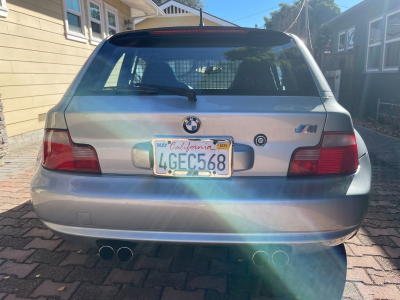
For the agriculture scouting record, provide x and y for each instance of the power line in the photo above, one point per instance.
(307, 23)
(295, 20)
(260, 12)
(309, 34)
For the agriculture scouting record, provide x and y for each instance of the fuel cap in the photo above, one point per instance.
(260, 140)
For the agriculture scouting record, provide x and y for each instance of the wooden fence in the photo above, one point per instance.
(345, 62)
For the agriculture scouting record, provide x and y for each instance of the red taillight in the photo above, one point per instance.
(336, 154)
(60, 153)
(196, 31)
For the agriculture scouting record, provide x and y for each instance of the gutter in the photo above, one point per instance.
(148, 7)
(157, 8)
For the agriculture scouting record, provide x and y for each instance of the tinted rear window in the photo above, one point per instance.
(225, 65)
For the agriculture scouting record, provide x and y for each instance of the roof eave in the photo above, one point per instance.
(345, 13)
(197, 12)
(145, 7)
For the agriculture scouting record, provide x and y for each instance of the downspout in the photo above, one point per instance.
(3, 135)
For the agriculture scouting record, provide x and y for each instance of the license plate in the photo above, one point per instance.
(192, 157)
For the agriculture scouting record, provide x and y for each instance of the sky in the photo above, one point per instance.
(247, 13)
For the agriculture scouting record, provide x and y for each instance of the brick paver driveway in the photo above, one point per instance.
(36, 264)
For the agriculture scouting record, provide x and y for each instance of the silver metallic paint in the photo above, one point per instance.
(141, 155)
(234, 210)
(114, 125)
(338, 118)
(304, 212)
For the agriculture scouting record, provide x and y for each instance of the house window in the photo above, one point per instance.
(342, 41)
(112, 20)
(374, 44)
(3, 8)
(75, 20)
(391, 51)
(95, 22)
(350, 38)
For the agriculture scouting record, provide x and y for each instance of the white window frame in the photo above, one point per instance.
(347, 37)
(388, 42)
(345, 41)
(3, 9)
(95, 40)
(113, 10)
(372, 45)
(72, 35)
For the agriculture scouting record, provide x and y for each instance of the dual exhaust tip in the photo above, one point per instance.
(260, 258)
(279, 258)
(124, 254)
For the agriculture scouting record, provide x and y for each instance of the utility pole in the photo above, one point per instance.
(307, 25)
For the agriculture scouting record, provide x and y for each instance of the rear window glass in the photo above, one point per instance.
(225, 66)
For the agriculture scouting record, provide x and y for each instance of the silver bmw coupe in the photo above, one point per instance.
(207, 135)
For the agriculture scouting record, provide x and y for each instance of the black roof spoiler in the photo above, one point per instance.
(200, 30)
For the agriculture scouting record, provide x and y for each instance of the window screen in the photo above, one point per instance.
(74, 5)
(392, 56)
(94, 11)
(393, 27)
(375, 33)
(96, 30)
(374, 56)
(392, 41)
(350, 38)
(111, 19)
(74, 22)
(342, 41)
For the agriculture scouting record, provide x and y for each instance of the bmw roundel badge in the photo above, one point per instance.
(191, 124)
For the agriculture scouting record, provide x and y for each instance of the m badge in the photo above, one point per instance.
(306, 129)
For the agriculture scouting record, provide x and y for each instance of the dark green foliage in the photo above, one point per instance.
(320, 11)
(250, 53)
(256, 60)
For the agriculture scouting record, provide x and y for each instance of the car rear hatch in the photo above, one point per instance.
(253, 88)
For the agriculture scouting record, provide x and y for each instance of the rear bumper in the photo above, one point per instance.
(262, 210)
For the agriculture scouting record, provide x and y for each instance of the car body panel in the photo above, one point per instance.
(303, 209)
(115, 125)
(258, 204)
(361, 147)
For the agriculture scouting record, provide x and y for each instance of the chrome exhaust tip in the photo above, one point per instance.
(280, 258)
(124, 254)
(106, 253)
(260, 259)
